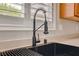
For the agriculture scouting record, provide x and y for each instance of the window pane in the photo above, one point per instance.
(40, 15)
(11, 9)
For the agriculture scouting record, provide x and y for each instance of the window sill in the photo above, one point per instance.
(20, 29)
(10, 25)
(15, 29)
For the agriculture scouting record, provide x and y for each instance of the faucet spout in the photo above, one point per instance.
(34, 26)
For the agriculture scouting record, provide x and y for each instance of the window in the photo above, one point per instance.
(12, 9)
(46, 6)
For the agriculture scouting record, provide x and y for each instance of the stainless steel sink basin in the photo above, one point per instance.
(56, 49)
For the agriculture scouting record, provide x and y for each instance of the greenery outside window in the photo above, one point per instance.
(12, 9)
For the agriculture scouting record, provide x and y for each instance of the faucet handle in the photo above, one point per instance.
(38, 39)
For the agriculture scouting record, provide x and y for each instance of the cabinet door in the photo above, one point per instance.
(69, 11)
(62, 10)
(76, 9)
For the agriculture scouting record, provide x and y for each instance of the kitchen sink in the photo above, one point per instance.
(56, 49)
(52, 49)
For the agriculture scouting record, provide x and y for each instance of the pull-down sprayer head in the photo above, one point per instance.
(45, 27)
(45, 24)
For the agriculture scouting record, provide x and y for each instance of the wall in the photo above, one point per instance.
(65, 27)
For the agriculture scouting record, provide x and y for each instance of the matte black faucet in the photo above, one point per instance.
(34, 41)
